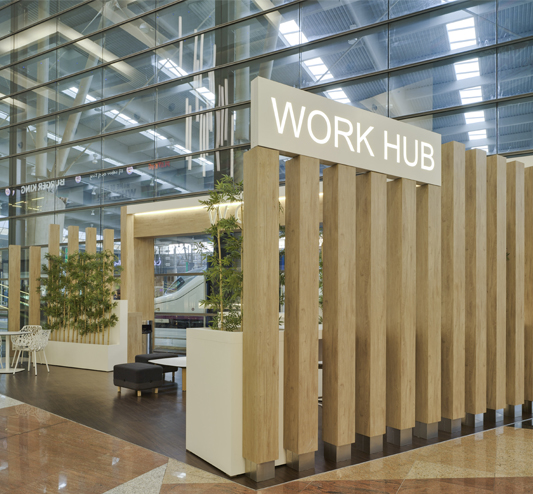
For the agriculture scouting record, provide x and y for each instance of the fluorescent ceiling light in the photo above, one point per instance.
(204, 94)
(475, 117)
(471, 95)
(338, 95)
(467, 69)
(73, 92)
(483, 148)
(475, 135)
(292, 34)
(120, 117)
(170, 68)
(462, 33)
(318, 69)
(152, 135)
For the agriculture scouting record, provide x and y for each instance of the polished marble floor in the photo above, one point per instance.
(41, 452)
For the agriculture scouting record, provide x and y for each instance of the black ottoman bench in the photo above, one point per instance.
(138, 376)
(144, 358)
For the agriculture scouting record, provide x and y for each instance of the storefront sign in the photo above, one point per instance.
(296, 122)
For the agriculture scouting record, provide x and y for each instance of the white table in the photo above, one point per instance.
(7, 334)
(179, 363)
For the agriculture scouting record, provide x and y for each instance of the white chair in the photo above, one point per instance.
(38, 344)
(23, 343)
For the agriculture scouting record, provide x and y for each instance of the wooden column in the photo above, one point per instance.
(14, 289)
(35, 295)
(54, 249)
(109, 240)
(260, 313)
(127, 276)
(453, 286)
(515, 288)
(496, 286)
(300, 433)
(90, 240)
(143, 301)
(401, 310)
(371, 309)
(338, 336)
(476, 287)
(73, 239)
(528, 290)
(428, 311)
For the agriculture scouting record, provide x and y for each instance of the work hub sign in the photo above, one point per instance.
(296, 122)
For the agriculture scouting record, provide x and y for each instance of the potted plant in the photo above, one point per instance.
(214, 354)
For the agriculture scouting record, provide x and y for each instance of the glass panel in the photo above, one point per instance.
(36, 166)
(184, 175)
(403, 7)
(368, 94)
(133, 73)
(80, 158)
(84, 218)
(453, 30)
(37, 197)
(5, 112)
(6, 48)
(177, 294)
(514, 69)
(441, 85)
(84, 190)
(129, 147)
(129, 38)
(178, 255)
(185, 18)
(111, 220)
(4, 141)
(4, 229)
(36, 103)
(4, 175)
(36, 39)
(83, 123)
(5, 19)
(5, 82)
(183, 58)
(84, 20)
(185, 96)
(515, 126)
(36, 71)
(171, 330)
(31, 11)
(514, 19)
(126, 11)
(82, 55)
(128, 184)
(475, 128)
(320, 19)
(36, 135)
(343, 57)
(69, 94)
(187, 135)
(137, 109)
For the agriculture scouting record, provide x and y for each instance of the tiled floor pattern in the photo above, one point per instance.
(42, 453)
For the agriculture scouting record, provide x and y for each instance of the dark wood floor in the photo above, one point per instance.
(154, 421)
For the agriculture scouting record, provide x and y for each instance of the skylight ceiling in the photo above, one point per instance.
(467, 69)
(462, 33)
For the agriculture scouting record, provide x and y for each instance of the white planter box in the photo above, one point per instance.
(214, 398)
(94, 357)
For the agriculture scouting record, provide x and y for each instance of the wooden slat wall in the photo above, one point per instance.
(515, 283)
(476, 282)
(73, 239)
(496, 281)
(453, 280)
(35, 296)
(127, 286)
(528, 291)
(401, 304)
(90, 240)
(428, 304)
(339, 280)
(109, 240)
(301, 307)
(143, 300)
(14, 289)
(261, 306)
(371, 305)
(54, 241)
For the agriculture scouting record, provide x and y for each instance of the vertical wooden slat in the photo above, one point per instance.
(108, 245)
(14, 289)
(528, 291)
(54, 241)
(428, 311)
(476, 286)
(496, 283)
(338, 337)
(127, 275)
(143, 249)
(371, 309)
(401, 310)
(453, 285)
(73, 239)
(261, 309)
(301, 312)
(90, 248)
(35, 295)
(515, 284)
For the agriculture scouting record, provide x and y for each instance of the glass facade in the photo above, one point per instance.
(106, 103)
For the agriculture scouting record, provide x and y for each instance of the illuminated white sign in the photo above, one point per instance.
(296, 122)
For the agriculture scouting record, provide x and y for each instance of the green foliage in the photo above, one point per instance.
(224, 273)
(78, 292)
